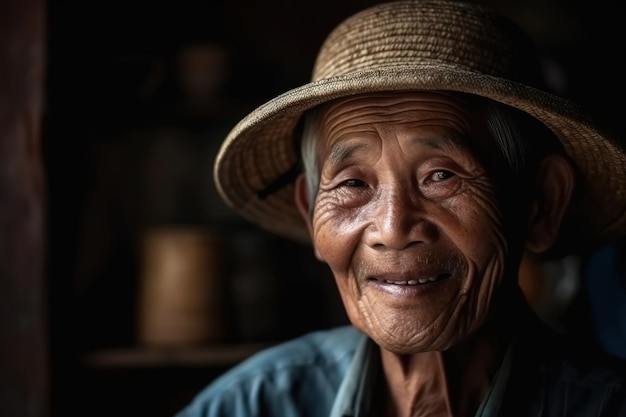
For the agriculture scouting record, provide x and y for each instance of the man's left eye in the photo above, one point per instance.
(441, 175)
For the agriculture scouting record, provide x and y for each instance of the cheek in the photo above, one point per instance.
(336, 236)
(479, 228)
(336, 232)
(480, 236)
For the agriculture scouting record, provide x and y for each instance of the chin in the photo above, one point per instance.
(403, 339)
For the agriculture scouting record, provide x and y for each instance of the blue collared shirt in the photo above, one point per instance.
(332, 373)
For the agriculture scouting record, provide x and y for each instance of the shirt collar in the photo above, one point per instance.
(352, 399)
(354, 394)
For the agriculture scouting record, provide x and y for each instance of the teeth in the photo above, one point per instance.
(413, 281)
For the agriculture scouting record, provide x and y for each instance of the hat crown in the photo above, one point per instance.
(429, 33)
(411, 45)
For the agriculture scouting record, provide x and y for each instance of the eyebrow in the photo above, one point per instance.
(343, 151)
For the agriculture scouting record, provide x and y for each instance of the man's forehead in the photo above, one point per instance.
(423, 114)
(427, 97)
(468, 126)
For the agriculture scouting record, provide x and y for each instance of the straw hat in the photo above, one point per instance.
(420, 45)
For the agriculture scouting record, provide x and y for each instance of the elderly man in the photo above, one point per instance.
(422, 161)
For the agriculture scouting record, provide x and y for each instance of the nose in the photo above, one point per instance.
(400, 220)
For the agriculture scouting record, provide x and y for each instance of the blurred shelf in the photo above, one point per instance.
(159, 357)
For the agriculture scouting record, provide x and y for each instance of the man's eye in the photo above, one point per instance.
(354, 183)
(441, 175)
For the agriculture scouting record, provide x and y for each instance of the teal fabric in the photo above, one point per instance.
(333, 373)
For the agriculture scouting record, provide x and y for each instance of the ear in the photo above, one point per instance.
(553, 191)
(304, 206)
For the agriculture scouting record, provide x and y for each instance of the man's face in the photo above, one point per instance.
(408, 219)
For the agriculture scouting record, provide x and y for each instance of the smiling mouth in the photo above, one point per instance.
(418, 281)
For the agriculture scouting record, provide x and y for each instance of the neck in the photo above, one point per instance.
(453, 382)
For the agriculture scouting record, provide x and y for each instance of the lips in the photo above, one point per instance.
(422, 280)
(410, 270)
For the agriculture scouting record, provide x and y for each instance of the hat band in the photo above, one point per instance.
(284, 179)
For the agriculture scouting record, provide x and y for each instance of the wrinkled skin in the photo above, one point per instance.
(403, 200)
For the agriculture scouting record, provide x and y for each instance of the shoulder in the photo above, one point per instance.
(574, 360)
(571, 378)
(589, 381)
(295, 375)
(313, 348)
(588, 366)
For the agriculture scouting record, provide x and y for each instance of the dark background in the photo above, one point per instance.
(102, 54)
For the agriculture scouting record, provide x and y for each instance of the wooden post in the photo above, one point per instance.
(23, 329)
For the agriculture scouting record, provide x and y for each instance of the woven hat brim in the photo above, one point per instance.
(260, 148)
